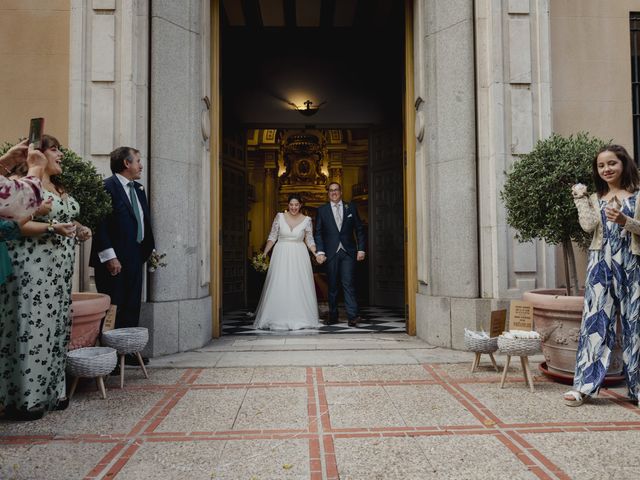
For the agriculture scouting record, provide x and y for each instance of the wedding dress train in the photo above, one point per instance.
(288, 300)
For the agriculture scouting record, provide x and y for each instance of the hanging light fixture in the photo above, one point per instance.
(309, 110)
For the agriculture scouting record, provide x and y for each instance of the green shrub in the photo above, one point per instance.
(537, 192)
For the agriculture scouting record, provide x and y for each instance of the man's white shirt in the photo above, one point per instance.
(109, 253)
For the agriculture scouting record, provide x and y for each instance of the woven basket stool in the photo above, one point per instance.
(521, 347)
(91, 362)
(126, 341)
(480, 346)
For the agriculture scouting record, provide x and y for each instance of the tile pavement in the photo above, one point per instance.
(417, 421)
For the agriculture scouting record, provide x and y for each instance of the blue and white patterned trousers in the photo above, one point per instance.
(612, 288)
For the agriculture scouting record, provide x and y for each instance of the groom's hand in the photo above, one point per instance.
(321, 259)
(360, 256)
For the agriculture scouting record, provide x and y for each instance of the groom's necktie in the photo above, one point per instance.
(338, 215)
(136, 211)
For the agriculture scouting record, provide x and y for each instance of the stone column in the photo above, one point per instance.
(179, 312)
(448, 297)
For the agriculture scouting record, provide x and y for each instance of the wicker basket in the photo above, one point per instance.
(522, 347)
(91, 362)
(126, 340)
(480, 345)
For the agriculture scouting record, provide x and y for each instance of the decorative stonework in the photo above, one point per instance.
(514, 111)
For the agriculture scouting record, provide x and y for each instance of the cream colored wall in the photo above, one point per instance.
(591, 76)
(34, 66)
(591, 68)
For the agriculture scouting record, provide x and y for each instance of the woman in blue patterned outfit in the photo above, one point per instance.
(612, 286)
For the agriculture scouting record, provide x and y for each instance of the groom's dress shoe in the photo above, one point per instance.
(331, 320)
(353, 322)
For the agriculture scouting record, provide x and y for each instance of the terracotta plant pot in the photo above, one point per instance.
(557, 317)
(87, 312)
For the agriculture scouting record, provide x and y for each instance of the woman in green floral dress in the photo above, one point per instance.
(35, 302)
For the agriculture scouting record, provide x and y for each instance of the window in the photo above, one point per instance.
(634, 20)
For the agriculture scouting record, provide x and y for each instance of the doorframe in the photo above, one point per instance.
(409, 175)
(410, 219)
(215, 282)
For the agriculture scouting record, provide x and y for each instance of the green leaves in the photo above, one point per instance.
(81, 179)
(537, 192)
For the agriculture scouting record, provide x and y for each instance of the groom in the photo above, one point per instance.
(338, 228)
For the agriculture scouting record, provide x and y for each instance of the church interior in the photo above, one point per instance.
(310, 97)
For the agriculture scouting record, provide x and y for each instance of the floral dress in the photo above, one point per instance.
(19, 198)
(9, 230)
(612, 287)
(35, 321)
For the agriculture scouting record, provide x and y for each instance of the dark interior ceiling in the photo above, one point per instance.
(347, 53)
(309, 13)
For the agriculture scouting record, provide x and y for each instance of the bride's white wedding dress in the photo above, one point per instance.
(288, 300)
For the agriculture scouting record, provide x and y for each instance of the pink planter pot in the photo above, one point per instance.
(87, 312)
(557, 317)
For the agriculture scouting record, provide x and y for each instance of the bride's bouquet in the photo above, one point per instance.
(260, 262)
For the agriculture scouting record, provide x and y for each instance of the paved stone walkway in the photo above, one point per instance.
(414, 420)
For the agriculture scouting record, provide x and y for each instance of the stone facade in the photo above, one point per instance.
(140, 70)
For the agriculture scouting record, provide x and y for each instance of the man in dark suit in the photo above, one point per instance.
(338, 228)
(124, 240)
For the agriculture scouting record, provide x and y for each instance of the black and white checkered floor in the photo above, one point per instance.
(375, 320)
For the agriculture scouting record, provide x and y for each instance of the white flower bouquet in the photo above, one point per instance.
(260, 262)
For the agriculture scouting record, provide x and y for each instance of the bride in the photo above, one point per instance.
(288, 300)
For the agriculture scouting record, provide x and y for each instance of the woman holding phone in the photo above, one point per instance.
(35, 321)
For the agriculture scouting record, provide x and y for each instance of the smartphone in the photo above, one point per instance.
(36, 127)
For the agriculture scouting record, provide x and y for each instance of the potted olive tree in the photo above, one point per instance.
(82, 181)
(539, 204)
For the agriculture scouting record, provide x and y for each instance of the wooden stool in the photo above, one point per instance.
(130, 340)
(476, 361)
(526, 371)
(519, 347)
(91, 362)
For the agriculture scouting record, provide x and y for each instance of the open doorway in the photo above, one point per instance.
(312, 92)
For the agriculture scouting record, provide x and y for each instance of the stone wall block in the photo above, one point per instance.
(182, 13)
(519, 6)
(195, 323)
(521, 119)
(104, 4)
(102, 120)
(103, 46)
(433, 320)
(519, 49)
(162, 321)
(471, 313)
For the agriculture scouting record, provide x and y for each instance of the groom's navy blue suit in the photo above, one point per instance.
(118, 231)
(341, 248)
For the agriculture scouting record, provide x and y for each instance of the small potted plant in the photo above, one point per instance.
(537, 197)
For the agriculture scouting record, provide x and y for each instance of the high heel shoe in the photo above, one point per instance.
(62, 404)
(12, 413)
